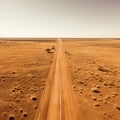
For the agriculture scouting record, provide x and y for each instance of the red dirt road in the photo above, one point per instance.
(58, 101)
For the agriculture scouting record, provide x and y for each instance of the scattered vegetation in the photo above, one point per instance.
(21, 110)
(25, 114)
(53, 47)
(96, 90)
(50, 50)
(96, 104)
(11, 117)
(94, 98)
(34, 98)
(102, 69)
(118, 107)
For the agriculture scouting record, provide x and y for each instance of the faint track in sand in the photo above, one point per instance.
(58, 101)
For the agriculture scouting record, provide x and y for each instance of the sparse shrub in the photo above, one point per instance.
(49, 50)
(107, 97)
(53, 47)
(96, 104)
(34, 98)
(25, 114)
(96, 90)
(35, 106)
(102, 69)
(11, 117)
(94, 98)
(118, 107)
(21, 110)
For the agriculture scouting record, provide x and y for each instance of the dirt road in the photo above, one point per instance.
(58, 102)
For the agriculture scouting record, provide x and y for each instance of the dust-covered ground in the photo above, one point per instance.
(24, 67)
(95, 70)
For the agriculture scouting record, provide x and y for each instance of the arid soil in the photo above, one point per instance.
(94, 66)
(90, 92)
(24, 67)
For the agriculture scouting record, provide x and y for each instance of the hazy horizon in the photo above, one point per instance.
(60, 19)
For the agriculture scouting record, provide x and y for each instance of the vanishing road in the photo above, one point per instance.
(58, 101)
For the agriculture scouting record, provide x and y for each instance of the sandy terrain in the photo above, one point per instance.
(37, 83)
(24, 68)
(95, 70)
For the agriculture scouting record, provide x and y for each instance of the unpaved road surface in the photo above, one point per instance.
(58, 101)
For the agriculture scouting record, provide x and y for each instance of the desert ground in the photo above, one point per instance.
(94, 67)
(68, 79)
(24, 67)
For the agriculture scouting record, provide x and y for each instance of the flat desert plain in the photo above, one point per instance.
(94, 67)
(79, 81)
(24, 67)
